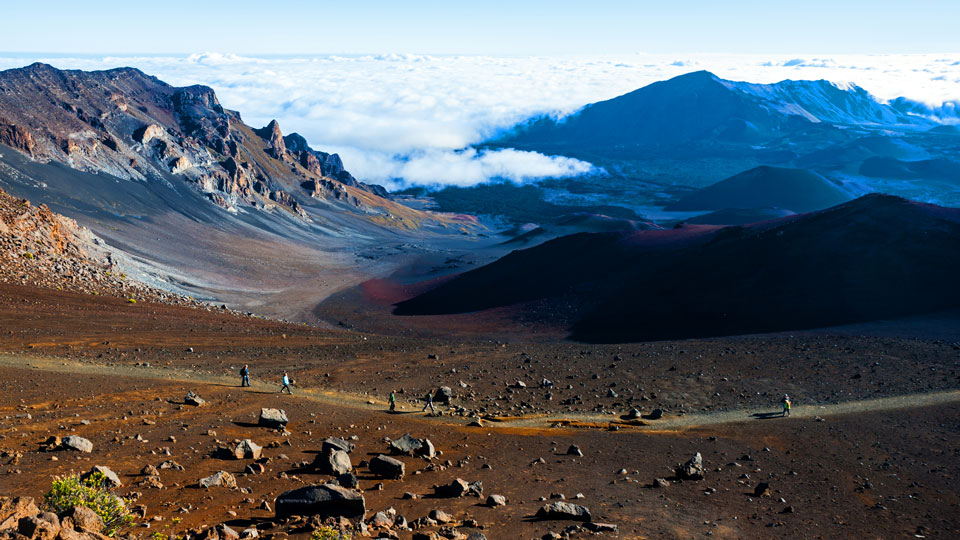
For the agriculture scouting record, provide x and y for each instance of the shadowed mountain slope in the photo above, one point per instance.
(872, 258)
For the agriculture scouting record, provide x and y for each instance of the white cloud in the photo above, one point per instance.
(387, 115)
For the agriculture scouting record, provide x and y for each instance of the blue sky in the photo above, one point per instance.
(492, 27)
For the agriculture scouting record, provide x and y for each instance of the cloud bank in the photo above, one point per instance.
(411, 119)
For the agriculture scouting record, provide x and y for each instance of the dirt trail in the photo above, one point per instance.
(556, 420)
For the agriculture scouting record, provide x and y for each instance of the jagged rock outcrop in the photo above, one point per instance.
(271, 133)
(16, 137)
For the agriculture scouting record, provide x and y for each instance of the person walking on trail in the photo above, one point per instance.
(286, 383)
(785, 403)
(245, 375)
(429, 398)
(393, 400)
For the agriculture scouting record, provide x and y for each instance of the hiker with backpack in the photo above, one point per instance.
(245, 376)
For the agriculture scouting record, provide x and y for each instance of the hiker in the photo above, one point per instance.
(245, 375)
(785, 403)
(286, 383)
(393, 400)
(429, 398)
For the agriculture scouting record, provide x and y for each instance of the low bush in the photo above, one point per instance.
(69, 491)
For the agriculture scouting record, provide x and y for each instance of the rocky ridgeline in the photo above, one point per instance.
(43, 249)
(134, 126)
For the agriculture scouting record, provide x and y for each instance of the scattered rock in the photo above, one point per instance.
(336, 443)
(334, 462)
(600, 527)
(110, 478)
(762, 490)
(74, 442)
(443, 395)
(574, 450)
(193, 399)
(564, 510)
(247, 449)
(410, 446)
(692, 469)
(387, 467)
(496, 500)
(456, 488)
(12, 509)
(219, 478)
(273, 418)
(661, 483)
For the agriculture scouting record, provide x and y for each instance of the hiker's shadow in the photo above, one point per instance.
(766, 415)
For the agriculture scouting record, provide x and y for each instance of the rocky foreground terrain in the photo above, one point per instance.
(154, 390)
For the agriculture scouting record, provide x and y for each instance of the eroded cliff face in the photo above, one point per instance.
(134, 126)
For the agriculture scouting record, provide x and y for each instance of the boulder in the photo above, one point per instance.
(85, 519)
(110, 478)
(661, 483)
(320, 500)
(193, 399)
(574, 450)
(336, 443)
(273, 418)
(443, 395)
(655, 414)
(692, 469)
(335, 462)
(12, 509)
(410, 446)
(496, 500)
(381, 520)
(601, 527)
(348, 480)
(386, 467)
(247, 449)
(36, 528)
(226, 533)
(456, 488)
(440, 516)
(762, 490)
(219, 478)
(74, 442)
(564, 510)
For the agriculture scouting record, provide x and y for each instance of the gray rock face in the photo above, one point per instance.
(320, 500)
(692, 469)
(335, 462)
(387, 467)
(273, 418)
(74, 442)
(564, 510)
(408, 445)
(336, 443)
(247, 449)
(110, 478)
(219, 478)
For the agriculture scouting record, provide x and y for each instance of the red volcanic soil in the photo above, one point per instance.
(116, 374)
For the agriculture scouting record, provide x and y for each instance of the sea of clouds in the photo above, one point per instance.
(403, 120)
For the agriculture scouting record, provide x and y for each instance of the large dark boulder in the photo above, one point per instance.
(386, 467)
(443, 395)
(320, 500)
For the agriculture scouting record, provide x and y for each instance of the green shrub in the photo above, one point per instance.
(69, 491)
(325, 532)
(28, 255)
